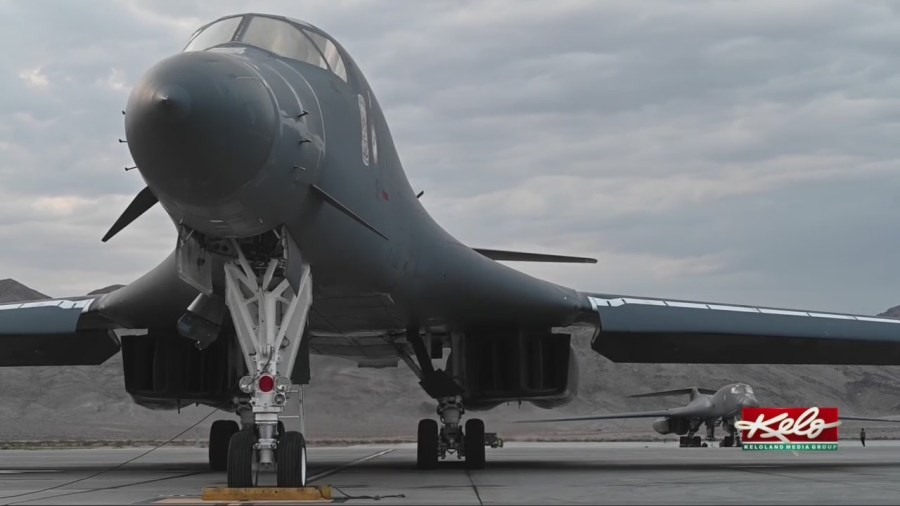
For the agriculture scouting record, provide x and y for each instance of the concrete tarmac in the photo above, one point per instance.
(540, 473)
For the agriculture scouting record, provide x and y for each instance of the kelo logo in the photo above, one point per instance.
(789, 429)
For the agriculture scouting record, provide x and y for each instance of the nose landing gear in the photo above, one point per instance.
(269, 317)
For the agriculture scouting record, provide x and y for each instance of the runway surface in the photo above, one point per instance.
(541, 473)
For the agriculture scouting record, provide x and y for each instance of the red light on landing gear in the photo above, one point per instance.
(266, 383)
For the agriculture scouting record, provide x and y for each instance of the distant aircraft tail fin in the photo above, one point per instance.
(692, 391)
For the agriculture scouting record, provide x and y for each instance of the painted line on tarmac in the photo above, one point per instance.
(25, 471)
(349, 464)
(474, 488)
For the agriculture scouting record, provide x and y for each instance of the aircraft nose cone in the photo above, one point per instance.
(200, 125)
(173, 101)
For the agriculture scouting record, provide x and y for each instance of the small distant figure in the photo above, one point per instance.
(862, 436)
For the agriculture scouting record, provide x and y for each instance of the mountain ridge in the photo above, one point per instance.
(14, 291)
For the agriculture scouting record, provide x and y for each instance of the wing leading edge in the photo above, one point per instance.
(650, 330)
(679, 412)
(867, 419)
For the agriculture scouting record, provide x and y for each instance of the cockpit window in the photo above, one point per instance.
(742, 389)
(276, 36)
(285, 39)
(214, 34)
(282, 39)
(330, 52)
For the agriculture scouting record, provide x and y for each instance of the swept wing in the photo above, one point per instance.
(654, 330)
(689, 411)
(54, 332)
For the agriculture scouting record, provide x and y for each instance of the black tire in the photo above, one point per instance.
(474, 442)
(427, 444)
(728, 441)
(695, 441)
(220, 433)
(242, 460)
(683, 442)
(291, 457)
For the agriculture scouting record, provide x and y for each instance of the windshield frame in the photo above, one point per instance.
(239, 28)
(335, 62)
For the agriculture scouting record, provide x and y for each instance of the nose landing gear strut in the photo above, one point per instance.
(269, 317)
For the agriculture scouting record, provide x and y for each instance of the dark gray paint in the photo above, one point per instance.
(430, 276)
(665, 334)
(231, 141)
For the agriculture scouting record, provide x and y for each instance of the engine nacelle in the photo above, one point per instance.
(166, 371)
(163, 370)
(678, 426)
(512, 365)
(571, 386)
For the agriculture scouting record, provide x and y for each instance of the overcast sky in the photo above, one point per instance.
(740, 152)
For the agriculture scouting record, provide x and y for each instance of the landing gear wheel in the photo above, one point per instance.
(695, 441)
(683, 442)
(243, 463)
(291, 457)
(427, 444)
(474, 441)
(727, 442)
(219, 436)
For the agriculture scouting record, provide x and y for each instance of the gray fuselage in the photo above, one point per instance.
(233, 139)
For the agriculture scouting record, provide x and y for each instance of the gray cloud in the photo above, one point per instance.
(741, 152)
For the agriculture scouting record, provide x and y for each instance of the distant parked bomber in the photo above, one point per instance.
(705, 407)
(297, 232)
(709, 407)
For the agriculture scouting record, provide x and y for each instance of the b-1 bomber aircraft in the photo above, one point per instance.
(705, 407)
(296, 232)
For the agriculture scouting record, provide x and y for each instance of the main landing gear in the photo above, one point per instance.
(432, 444)
(219, 435)
(269, 313)
(692, 441)
(733, 438)
(689, 442)
(436, 441)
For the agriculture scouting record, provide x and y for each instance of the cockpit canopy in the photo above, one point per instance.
(742, 389)
(275, 35)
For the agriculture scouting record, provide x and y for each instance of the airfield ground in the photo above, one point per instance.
(539, 473)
